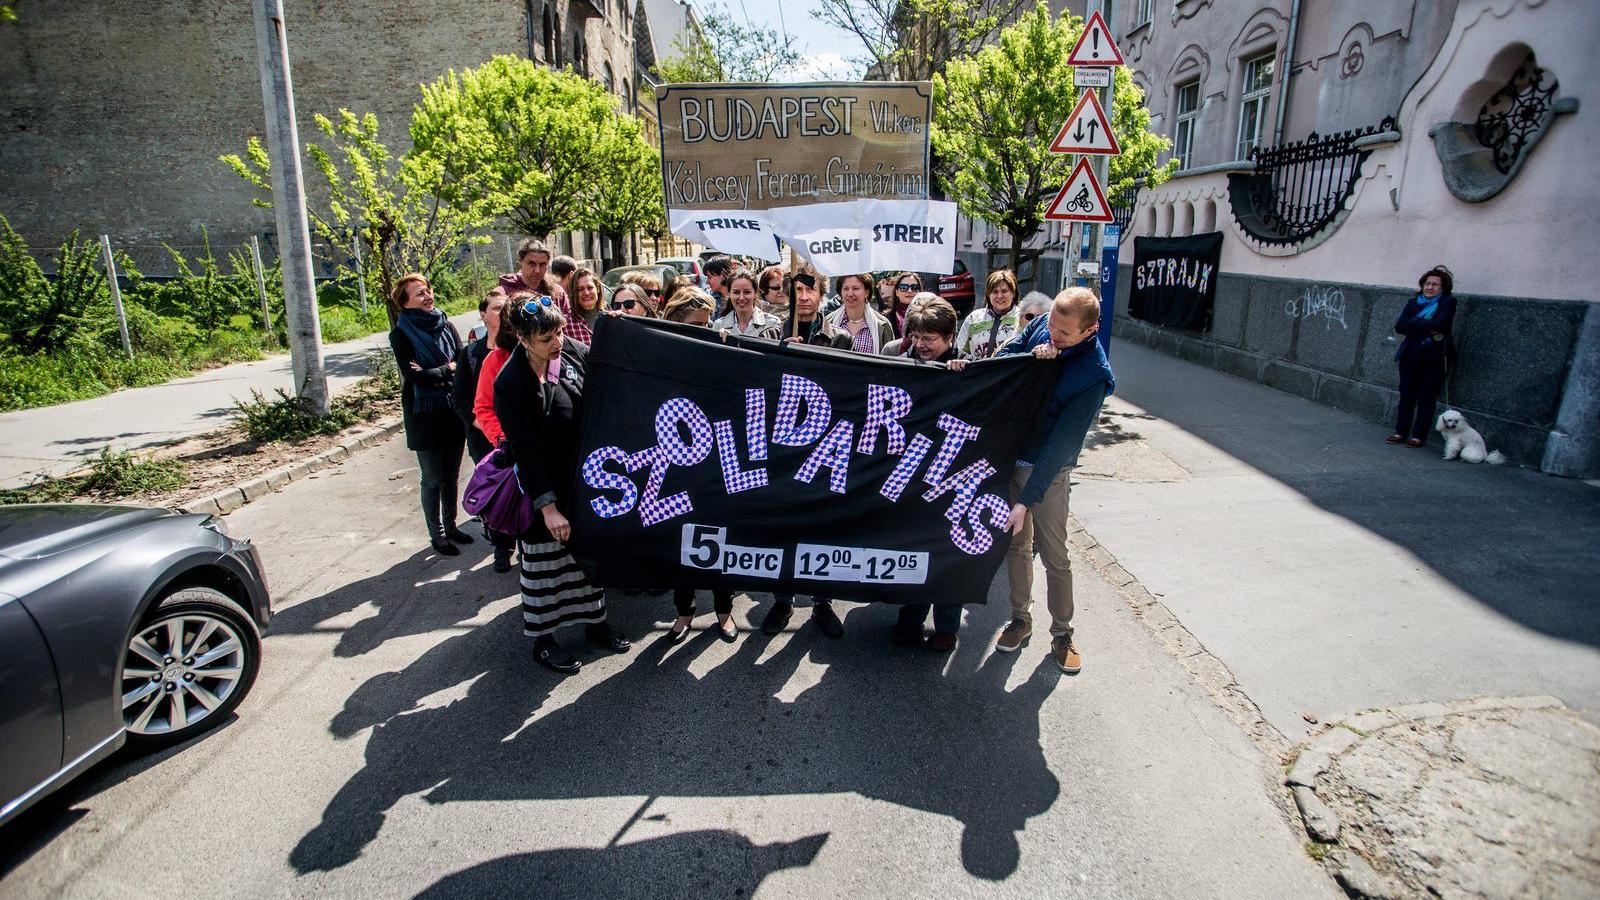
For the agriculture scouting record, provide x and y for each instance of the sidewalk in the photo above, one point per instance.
(54, 440)
(1331, 572)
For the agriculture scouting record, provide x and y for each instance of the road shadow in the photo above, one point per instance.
(937, 733)
(689, 864)
(1521, 542)
(422, 594)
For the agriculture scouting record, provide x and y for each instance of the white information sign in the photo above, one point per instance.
(821, 562)
(1091, 76)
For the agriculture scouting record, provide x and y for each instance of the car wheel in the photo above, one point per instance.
(188, 665)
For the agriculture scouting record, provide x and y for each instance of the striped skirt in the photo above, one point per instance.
(555, 591)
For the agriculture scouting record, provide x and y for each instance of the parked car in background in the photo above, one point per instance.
(613, 277)
(687, 265)
(118, 625)
(959, 288)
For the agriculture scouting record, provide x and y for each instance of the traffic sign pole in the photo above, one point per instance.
(1102, 167)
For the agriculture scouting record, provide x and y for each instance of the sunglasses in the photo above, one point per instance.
(1029, 317)
(625, 303)
(652, 293)
(905, 287)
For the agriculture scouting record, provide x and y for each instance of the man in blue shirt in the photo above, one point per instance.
(1040, 484)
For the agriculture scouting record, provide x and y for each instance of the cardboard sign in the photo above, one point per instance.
(768, 146)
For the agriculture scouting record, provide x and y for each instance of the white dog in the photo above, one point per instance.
(1463, 442)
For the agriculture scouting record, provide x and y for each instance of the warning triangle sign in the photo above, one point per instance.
(1094, 46)
(1081, 199)
(1088, 130)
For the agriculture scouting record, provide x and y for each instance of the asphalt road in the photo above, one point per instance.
(54, 440)
(401, 741)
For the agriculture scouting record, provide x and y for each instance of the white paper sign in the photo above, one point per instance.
(838, 238)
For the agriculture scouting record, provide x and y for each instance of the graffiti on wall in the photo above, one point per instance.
(1318, 302)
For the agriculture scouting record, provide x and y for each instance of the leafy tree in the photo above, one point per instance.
(630, 199)
(996, 112)
(8, 11)
(514, 136)
(723, 50)
(391, 211)
(42, 313)
(912, 40)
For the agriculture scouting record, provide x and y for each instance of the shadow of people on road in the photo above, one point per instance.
(422, 594)
(692, 863)
(931, 732)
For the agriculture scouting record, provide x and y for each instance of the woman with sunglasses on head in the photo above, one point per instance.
(745, 316)
(536, 397)
(694, 307)
(425, 345)
(990, 326)
(869, 331)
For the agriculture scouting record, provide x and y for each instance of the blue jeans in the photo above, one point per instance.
(946, 616)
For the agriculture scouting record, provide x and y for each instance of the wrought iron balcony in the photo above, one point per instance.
(1299, 189)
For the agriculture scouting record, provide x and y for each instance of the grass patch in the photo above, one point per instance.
(1318, 851)
(286, 419)
(111, 476)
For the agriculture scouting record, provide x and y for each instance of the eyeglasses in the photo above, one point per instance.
(1029, 317)
(624, 303)
(652, 293)
(907, 287)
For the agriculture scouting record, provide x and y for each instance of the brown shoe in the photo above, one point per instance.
(1013, 636)
(1065, 653)
(941, 642)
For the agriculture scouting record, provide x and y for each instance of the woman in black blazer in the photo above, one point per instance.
(1426, 323)
(425, 345)
(536, 397)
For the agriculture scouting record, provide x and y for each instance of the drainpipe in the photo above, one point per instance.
(1288, 64)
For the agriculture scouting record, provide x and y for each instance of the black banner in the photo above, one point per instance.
(751, 465)
(1175, 280)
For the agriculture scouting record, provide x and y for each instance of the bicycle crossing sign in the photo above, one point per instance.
(1088, 129)
(1080, 199)
(1094, 46)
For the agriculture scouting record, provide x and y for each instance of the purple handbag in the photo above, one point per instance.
(494, 495)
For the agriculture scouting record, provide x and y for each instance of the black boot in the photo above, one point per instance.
(777, 617)
(602, 634)
(551, 655)
(443, 547)
(458, 536)
(827, 620)
(502, 559)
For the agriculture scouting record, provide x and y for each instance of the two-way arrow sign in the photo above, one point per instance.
(1088, 129)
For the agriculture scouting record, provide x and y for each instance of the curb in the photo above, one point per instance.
(225, 501)
(1203, 667)
(1353, 872)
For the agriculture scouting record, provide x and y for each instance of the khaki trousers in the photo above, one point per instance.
(1049, 517)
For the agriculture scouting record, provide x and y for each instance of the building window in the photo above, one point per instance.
(608, 79)
(580, 59)
(1253, 108)
(549, 36)
(533, 37)
(1183, 123)
(1142, 12)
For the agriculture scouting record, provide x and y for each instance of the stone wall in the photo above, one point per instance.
(113, 112)
(1513, 354)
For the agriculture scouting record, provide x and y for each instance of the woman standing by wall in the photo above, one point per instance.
(1424, 355)
(425, 346)
(537, 396)
(989, 327)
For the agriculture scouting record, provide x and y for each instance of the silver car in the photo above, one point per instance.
(118, 624)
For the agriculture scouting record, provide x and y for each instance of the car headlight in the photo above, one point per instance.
(215, 523)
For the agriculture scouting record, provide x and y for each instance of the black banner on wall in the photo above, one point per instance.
(750, 465)
(1175, 280)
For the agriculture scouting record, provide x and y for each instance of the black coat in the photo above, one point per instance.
(541, 423)
(1428, 342)
(433, 430)
(464, 393)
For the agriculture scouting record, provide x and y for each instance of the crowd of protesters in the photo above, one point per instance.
(519, 384)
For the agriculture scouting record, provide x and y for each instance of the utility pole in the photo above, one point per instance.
(289, 208)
